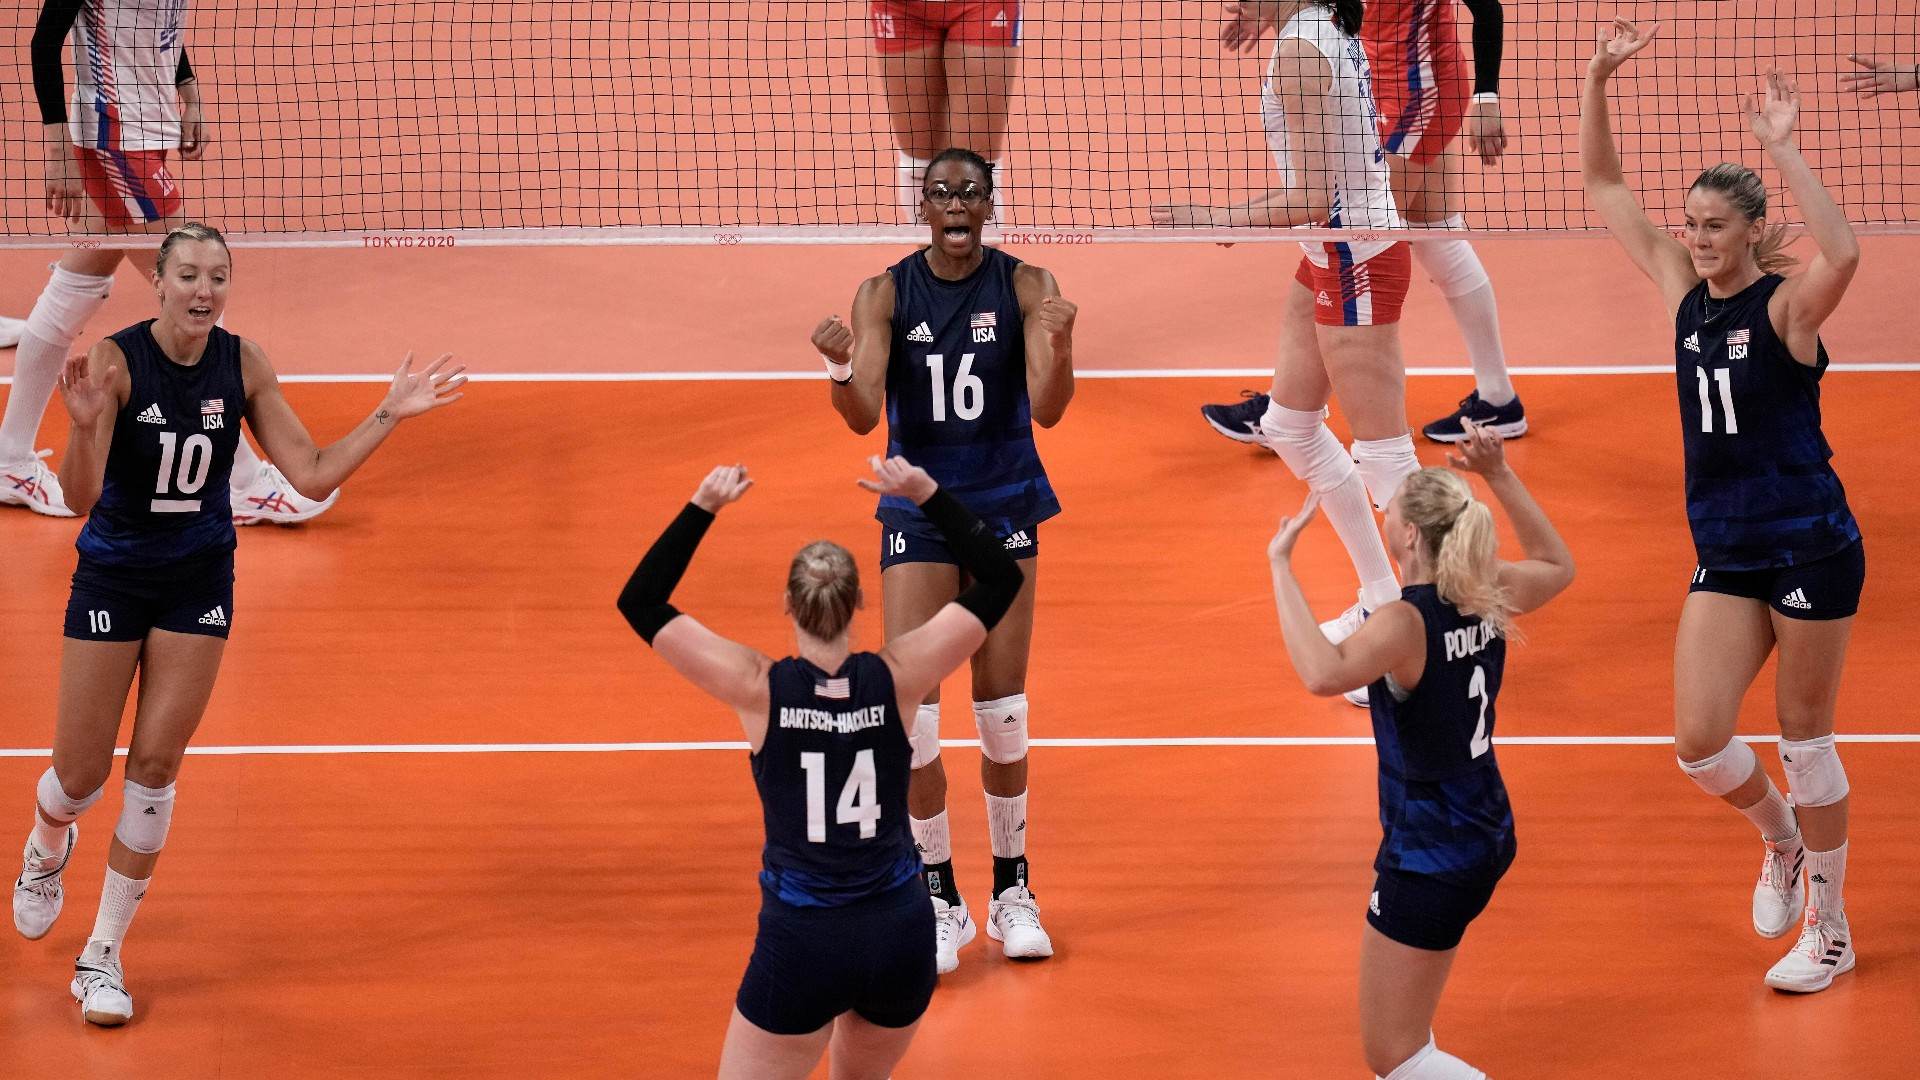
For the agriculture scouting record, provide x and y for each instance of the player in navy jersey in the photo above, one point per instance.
(845, 951)
(1780, 563)
(156, 412)
(1433, 660)
(966, 348)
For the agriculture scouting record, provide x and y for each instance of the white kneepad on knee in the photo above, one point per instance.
(925, 735)
(145, 817)
(1453, 266)
(1814, 773)
(1383, 464)
(1003, 728)
(1724, 771)
(1304, 442)
(65, 305)
(57, 804)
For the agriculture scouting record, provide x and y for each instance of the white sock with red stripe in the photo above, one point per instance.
(1456, 269)
(58, 317)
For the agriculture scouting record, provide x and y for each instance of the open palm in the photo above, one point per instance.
(412, 394)
(1618, 42)
(1772, 113)
(85, 397)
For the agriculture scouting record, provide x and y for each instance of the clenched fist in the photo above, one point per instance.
(1056, 318)
(834, 339)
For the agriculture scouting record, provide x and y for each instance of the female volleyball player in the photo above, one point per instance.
(156, 412)
(1339, 332)
(948, 69)
(135, 98)
(1434, 659)
(1780, 560)
(845, 948)
(966, 348)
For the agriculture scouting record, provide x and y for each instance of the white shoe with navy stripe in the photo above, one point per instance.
(1825, 950)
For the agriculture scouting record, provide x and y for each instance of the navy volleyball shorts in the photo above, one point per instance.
(1424, 911)
(810, 964)
(122, 603)
(925, 544)
(1823, 589)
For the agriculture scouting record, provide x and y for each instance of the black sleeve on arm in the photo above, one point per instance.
(183, 73)
(49, 81)
(1489, 40)
(644, 600)
(996, 577)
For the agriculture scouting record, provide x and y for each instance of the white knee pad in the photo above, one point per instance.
(925, 735)
(144, 818)
(1003, 728)
(1309, 448)
(1813, 771)
(1383, 464)
(1722, 772)
(1453, 266)
(55, 802)
(66, 304)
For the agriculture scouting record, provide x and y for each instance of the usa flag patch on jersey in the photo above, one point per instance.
(985, 318)
(212, 413)
(832, 688)
(1739, 337)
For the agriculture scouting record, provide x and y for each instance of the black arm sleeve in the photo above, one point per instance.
(184, 72)
(996, 577)
(644, 600)
(49, 80)
(1489, 40)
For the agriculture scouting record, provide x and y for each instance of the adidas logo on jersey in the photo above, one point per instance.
(1019, 540)
(1692, 344)
(1000, 20)
(216, 617)
(152, 415)
(1797, 599)
(920, 333)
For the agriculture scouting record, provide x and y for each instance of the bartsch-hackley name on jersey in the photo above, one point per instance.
(840, 723)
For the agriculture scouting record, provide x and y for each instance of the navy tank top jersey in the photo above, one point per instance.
(1443, 806)
(165, 497)
(957, 394)
(832, 775)
(1760, 490)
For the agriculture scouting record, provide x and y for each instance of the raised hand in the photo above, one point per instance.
(1480, 452)
(1879, 77)
(1617, 43)
(1056, 318)
(1486, 134)
(1246, 21)
(725, 484)
(1280, 548)
(894, 476)
(1771, 114)
(85, 397)
(834, 339)
(411, 394)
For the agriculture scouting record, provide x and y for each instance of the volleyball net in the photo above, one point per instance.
(421, 122)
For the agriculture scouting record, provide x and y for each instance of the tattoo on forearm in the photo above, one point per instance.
(383, 417)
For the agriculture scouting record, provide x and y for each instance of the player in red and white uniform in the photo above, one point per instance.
(948, 68)
(134, 101)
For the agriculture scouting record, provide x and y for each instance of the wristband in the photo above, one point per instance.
(840, 373)
(1485, 99)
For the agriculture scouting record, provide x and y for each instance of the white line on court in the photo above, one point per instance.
(1533, 371)
(1285, 742)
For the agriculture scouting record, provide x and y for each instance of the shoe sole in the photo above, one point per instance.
(1813, 988)
(1506, 431)
(41, 934)
(994, 933)
(966, 936)
(43, 511)
(1250, 438)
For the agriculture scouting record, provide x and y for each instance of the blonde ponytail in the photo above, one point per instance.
(1458, 538)
(1770, 254)
(823, 589)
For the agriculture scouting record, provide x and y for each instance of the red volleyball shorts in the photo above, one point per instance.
(131, 187)
(1422, 93)
(905, 25)
(1348, 293)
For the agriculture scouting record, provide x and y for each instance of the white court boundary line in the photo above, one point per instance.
(1283, 742)
(1532, 371)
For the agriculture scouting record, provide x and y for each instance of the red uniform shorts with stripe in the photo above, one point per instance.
(1422, 91)
(131, 187)
(1346, 293)
(904, 25)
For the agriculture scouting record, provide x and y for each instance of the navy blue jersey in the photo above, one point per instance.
(832, 775)
(1443, 807)
(164, 497)
(1760, 491)
(957, 394)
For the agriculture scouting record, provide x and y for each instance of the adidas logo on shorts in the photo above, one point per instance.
(1373, 902)
(216, 617)
(152, 415)
(1019, 540)
(920, 333)
(1797, 599)
(1692, 344)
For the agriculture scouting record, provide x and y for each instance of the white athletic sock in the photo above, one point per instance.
(1002, 193)
(910, 175)
(1772, 815)
(58, 317)
(1456, 269)
(49, 839)
(119, 898)
(930, 835)
(246, 466)
(1351, 516)
(1007, 825)
(1826, 875)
